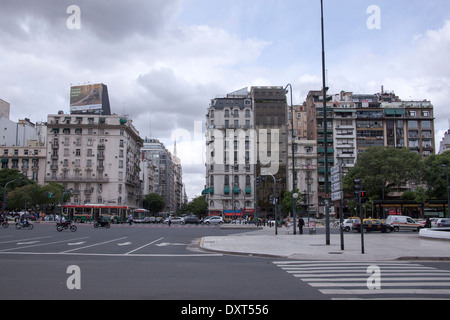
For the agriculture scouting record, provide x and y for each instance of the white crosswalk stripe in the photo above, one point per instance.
(371, 280)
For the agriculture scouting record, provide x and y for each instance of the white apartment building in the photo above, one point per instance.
(96, 156)
(230, 165)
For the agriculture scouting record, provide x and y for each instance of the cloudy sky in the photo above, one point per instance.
(164, 60)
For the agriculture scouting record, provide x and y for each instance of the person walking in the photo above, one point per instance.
(170, 220)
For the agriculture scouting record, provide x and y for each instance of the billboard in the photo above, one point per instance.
(91, 98)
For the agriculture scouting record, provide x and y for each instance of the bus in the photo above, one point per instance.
(141, 216)
(90, 212)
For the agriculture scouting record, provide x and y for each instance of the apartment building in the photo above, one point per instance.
(96, 156)
(167, 174)
(230, 149)
(305, 159)
(246, 138)
(356, 122)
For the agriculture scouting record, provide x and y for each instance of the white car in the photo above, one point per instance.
(213, 220)
(174, 220)
(348, 224)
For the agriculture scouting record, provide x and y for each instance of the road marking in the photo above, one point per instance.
(25, 239)
(29, 242)
(144, 246)
(40, 244)
(116, 254)
(76, 243)
(165, 244)
(124, 244)
(93, 245)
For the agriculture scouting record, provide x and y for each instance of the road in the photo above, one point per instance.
(156, 262)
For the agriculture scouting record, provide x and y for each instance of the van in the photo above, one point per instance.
(403, 223)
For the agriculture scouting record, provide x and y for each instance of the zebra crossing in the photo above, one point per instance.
(371, 280)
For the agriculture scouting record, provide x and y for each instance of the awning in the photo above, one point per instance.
(208, 191)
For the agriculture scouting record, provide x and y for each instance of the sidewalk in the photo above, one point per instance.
(263, 242)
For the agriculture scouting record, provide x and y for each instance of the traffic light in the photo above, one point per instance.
(258, 181)
(363, 196)
(357, 187)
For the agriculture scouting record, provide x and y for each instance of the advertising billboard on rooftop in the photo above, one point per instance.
(86, 98)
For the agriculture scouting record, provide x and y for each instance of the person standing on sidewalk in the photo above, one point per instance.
(301, 223)
(288, 225)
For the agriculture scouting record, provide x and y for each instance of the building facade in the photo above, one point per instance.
(357, 122)
(167, 174)
(96, 156)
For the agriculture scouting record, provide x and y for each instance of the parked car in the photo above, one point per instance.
(348, 224)
(374, 225)
(403, 223)
(175, 220)
(191, 220)
(213, 220)
(443, 223)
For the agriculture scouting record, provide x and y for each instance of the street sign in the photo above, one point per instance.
(335, 196)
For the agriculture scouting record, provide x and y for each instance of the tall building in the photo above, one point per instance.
(96, 156)
(167, 180)
(246, 139)
(230, 166)
(356, 122)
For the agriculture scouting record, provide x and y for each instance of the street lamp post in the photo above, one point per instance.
(293, 158)
(325, 133)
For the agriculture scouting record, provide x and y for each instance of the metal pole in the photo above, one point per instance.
(325, 133)
(294, 214)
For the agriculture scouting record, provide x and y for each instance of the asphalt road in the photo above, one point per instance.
(135, 262)
(157, 262)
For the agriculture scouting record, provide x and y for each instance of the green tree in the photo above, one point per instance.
(435, 175)
(286, 202)
(154, 203)
(196, 206)
(384, 169)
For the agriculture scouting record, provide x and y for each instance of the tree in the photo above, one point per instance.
(196, 206)
(384, 169)
(154, 203)
(435, 175)
(286, 203)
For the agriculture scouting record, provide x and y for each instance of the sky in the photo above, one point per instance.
(164, 60)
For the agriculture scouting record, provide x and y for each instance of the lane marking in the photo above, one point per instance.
(144, 246)
(40, 244)
(93, 245)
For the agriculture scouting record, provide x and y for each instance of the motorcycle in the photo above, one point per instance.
(60, 226)
(25, 224)
(4, 222)
(102, 223)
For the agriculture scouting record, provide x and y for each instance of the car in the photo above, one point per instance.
(348, 224)
(213, 220)
(374, 225)
(441, 223)
(191, 219)
(174, 220)
(403, 223)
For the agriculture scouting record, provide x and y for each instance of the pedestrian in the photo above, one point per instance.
(170, 220)
(288, 225)
(130, 219)
(301, 223)
(428, 223)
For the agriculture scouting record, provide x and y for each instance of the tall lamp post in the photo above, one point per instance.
(294, 199)
(325, 133)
